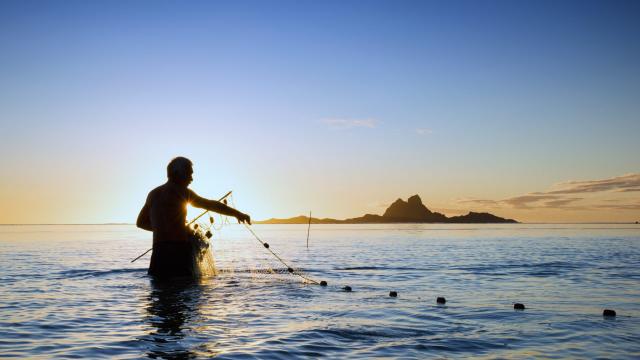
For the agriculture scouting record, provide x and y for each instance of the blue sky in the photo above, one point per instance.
(338, 107)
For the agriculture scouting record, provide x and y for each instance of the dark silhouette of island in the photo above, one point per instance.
(410, 211)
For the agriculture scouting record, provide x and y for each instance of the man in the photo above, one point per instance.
(165, 213)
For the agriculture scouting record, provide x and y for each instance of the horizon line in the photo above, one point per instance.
(519, 223)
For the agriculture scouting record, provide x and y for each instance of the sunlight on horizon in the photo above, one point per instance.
(424, 99)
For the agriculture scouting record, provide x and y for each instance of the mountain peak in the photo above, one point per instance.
(412, 209)
(414, 200)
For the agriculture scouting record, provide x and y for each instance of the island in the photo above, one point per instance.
(410, 211)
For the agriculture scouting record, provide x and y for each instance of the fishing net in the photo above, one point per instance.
(242, 255)
(202, 254)
(236, 253)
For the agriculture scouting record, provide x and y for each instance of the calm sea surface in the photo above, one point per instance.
(71, 292)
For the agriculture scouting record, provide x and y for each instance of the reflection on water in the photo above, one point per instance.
(172, 305)
(71, 292)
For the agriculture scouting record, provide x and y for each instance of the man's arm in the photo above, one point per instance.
(218, 207)
(144, 218)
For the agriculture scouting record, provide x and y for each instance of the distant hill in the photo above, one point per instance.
(474, 217)
(410, 211)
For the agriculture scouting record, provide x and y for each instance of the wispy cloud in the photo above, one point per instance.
(525, 201)
(632, 206)
(424, 131)
(483, 202)
(624, 183)
(558, 196)
(339, 123)
(561, 203)
(629, 190)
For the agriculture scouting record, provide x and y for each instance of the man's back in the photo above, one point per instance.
(167, 209)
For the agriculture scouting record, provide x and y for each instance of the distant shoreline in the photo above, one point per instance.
(414, 223)
(63, 224)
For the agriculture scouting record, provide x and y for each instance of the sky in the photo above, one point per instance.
(525, 109)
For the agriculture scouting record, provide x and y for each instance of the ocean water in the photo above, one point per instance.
(72, 292)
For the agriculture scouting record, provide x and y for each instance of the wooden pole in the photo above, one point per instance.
(308, 229)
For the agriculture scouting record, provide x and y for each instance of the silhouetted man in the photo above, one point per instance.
(165, 213)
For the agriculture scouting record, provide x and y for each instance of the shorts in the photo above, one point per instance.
(171, 259)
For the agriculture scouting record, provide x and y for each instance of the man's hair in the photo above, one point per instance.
(177, 168)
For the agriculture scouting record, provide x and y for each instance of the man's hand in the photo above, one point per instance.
(244, 218)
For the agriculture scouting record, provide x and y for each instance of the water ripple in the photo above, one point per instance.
(55, 303)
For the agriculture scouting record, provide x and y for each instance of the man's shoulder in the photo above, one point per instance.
(158, 189)
(170, 189)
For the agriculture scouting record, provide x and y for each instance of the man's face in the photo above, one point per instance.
(189, 175)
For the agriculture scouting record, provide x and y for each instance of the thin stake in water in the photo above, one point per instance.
(308, 229)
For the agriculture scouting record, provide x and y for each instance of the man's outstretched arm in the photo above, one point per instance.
(220, 208)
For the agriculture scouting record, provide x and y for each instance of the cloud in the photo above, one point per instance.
(561, 203)
(532, 200)
(629, 182)
(524, 201)
(558, 197)
(482, 202)
(336, 123)
(618, 206)
(423, 131)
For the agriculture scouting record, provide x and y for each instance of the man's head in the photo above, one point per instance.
(180, 171)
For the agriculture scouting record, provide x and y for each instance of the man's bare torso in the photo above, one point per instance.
(167, 209)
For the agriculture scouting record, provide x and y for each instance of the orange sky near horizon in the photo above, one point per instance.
(526, 110)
